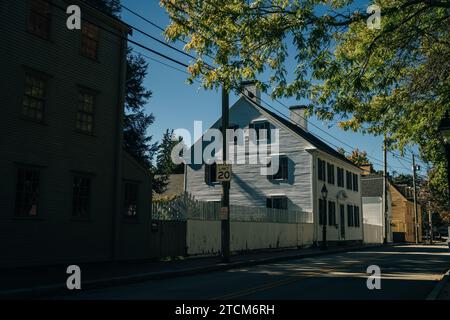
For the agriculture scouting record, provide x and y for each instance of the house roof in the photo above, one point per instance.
(372, 185)
(319, 144)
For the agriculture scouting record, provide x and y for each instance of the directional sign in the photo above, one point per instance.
(223, 172)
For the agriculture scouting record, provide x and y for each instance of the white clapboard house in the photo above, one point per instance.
(306, 164)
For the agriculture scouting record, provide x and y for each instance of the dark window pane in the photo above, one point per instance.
(130, 199)
(34, 97)
(89, 40)
(80, 198)
(39, 18)
(27, 192)
(85, 112)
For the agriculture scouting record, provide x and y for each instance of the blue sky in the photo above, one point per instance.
(176, 104)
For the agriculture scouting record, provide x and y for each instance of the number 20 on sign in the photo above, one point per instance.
(223, 172)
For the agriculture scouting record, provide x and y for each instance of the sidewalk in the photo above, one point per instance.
(40, 281)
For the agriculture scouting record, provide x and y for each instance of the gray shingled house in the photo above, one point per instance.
(68, 192)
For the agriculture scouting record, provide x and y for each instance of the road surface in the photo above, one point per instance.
(407, 272)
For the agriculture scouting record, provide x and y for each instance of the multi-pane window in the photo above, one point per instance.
(340, 177)
(356, 214)
(130, 199)
(321, 170)
(39, 18)
(322, 211)
(283, 169)
(210, 173)
(330, 171)
(27, 192)
(80, 197)
(34, 97)
(85, 112)
(350, 217)
(89, 40)
(331, 213)
(262, 130)
(277, 203)
(355, 182)
(349, 180)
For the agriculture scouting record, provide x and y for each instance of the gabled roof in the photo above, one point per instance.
(319, 144)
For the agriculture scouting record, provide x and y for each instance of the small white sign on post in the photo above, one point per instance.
(223, 172)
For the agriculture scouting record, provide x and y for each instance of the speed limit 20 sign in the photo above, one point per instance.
(223, 172)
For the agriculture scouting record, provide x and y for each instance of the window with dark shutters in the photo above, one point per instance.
(340, 177)
(322, 212)
(331, 213)
(349, 180)
(350, 216)
(356, 214)
(330, 172)
(321, 169)
(283, 169)
(355, 182)
(210, 173)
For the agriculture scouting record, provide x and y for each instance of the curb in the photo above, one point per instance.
(434, 294)
(41, 292)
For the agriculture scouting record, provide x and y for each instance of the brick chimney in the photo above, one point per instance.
(298, 116)
(251, 91)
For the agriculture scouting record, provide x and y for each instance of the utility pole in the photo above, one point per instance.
(416, 226)
(430, 222)
(225, 220)
(384, 208)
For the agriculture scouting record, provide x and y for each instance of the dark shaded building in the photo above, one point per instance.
(68, 192)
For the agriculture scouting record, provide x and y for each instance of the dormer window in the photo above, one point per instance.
(262, 129)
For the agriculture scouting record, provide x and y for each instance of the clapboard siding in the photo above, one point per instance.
(248, 186)
(55, 144)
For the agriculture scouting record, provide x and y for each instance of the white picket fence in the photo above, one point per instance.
(186, 207)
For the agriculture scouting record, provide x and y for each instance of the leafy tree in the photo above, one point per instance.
(393, 80)
(136, 122)
(359, 157)
(164, 164)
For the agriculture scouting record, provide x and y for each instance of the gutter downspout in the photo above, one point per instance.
(119, 143)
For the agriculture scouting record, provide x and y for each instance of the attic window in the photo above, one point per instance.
(262, 129)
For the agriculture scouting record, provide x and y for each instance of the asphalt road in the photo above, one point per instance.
(407, 272)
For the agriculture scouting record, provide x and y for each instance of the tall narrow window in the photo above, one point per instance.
(85, 112)
(322, 212)
(34, 97)
(331, 213)
(39, 18)
(262, 130)
(89, 40)
(27, 192)
(350, 217)
(130, 206)
(283, 169)
(340, 177)
(349, 180)
(330, 171)
(321, 170)
(210, 173)
(80, 197)
(355, 182)
(356, 214)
